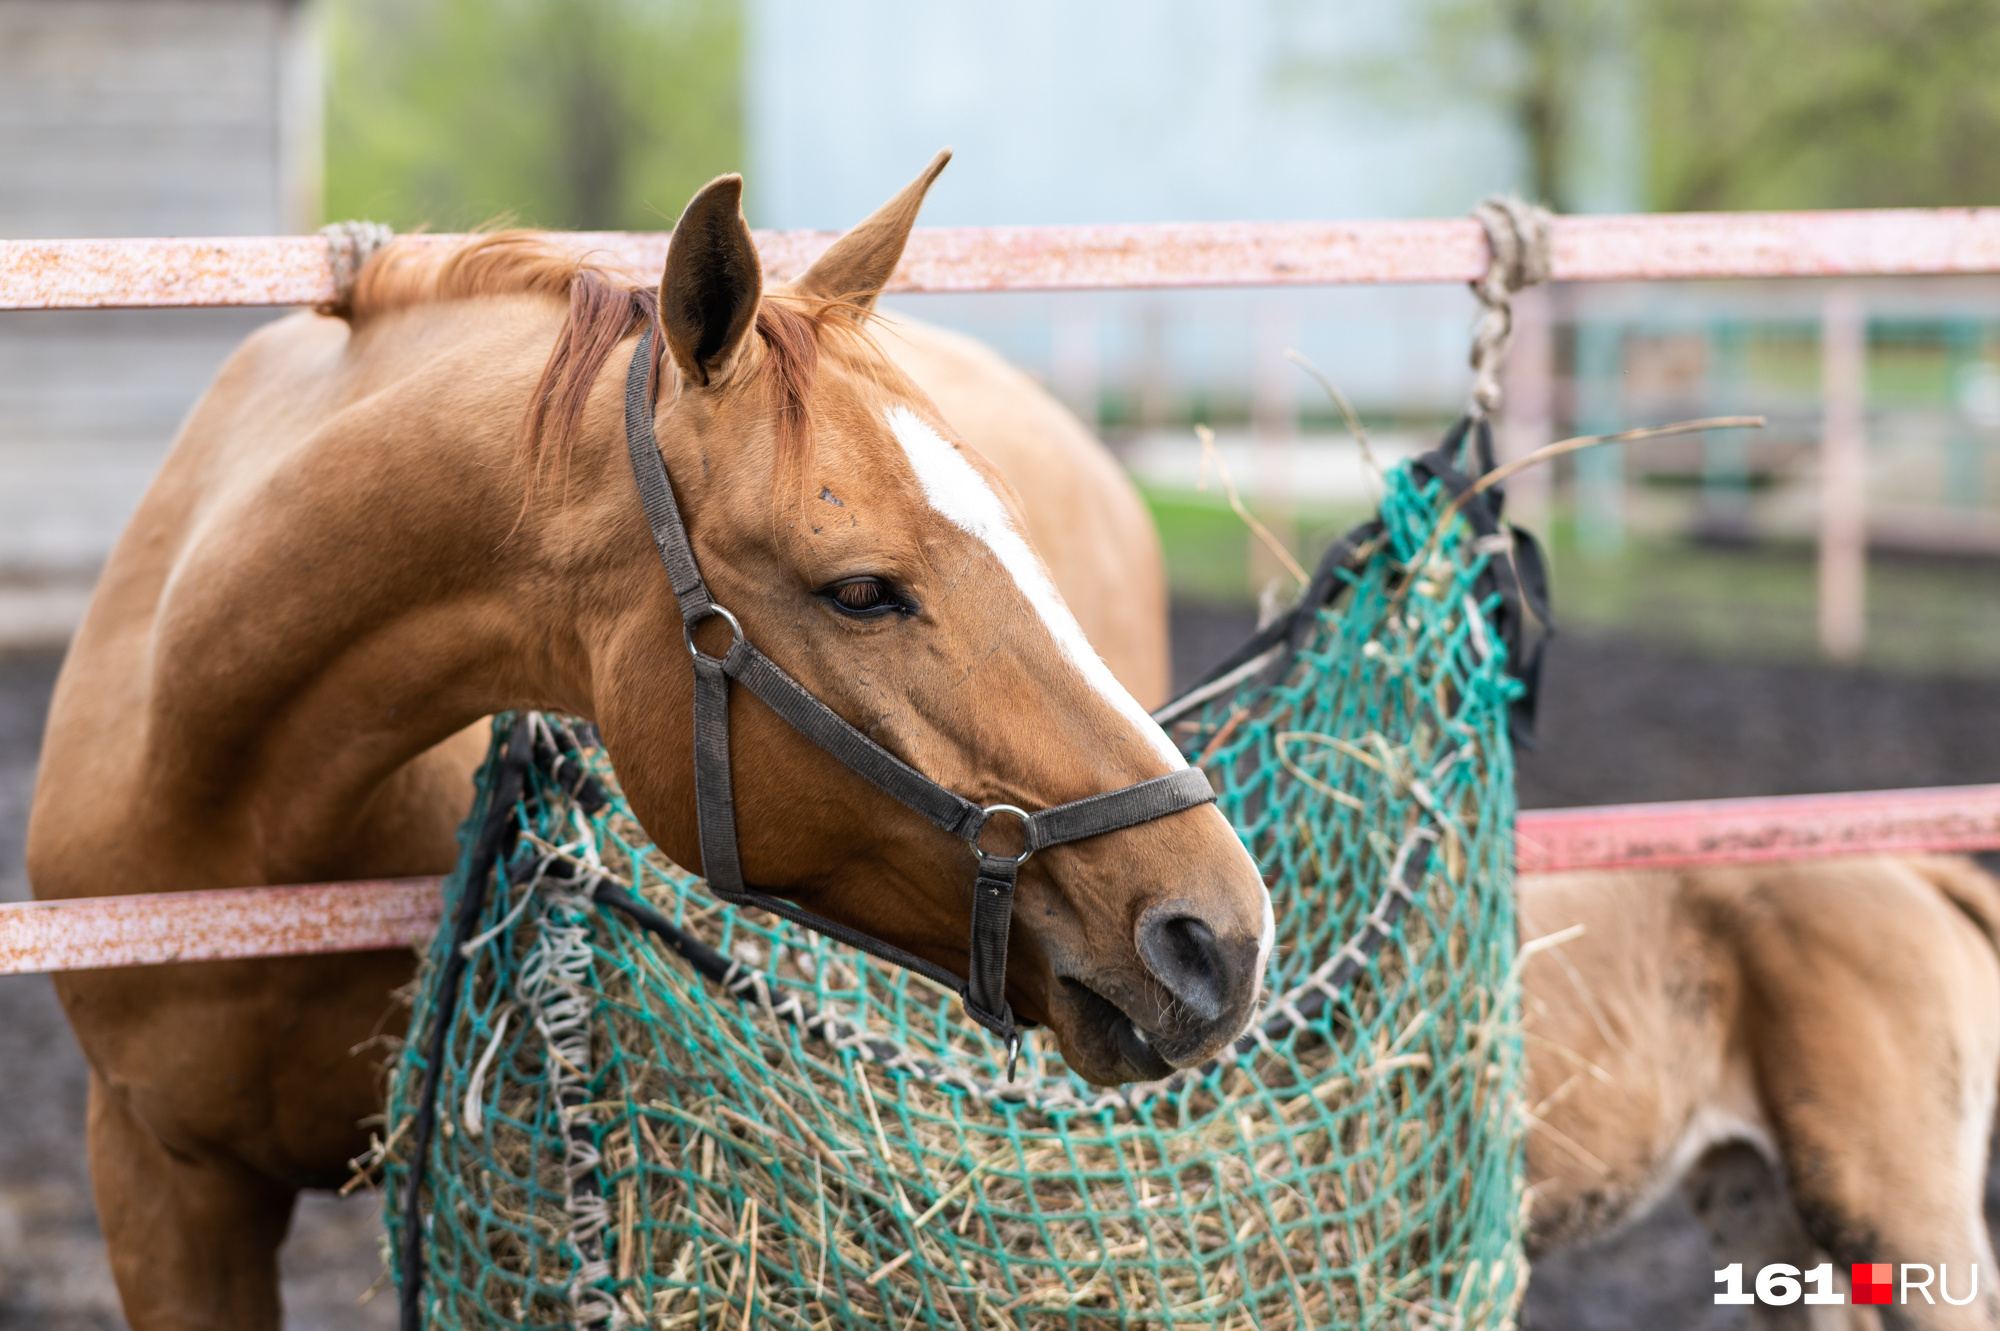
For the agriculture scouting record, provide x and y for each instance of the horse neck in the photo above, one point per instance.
(383, 585)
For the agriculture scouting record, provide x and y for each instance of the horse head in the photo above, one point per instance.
(882, 563)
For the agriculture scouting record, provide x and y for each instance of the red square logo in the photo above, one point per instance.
(1874, 1282)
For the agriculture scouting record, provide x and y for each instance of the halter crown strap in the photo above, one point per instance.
(657, 493)
(984, 990)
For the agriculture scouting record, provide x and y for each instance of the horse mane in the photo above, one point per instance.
(605, 307)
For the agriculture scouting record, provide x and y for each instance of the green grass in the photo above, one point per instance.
(1928, 616)
(1208, 547)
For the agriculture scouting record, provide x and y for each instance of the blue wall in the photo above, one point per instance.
(1078, 111)
(1106, 111)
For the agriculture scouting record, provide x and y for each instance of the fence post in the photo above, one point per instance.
(1600, 472)
(1725, 454)
(1075, 359)
(1843, 475)
(1274, 423)
(1154, 400)
(1964, 478)
(1528, 407)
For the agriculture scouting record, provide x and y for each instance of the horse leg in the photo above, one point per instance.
(1929, 1214)
(1875, 1032)
(193, 1241)
(1741, 1204)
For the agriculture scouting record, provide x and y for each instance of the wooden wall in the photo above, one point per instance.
(129, 118)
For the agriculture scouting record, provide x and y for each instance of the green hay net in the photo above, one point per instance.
(828, 1142)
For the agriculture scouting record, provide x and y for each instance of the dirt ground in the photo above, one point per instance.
(1619, 722)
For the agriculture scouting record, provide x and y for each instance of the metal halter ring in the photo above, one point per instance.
(687, 628)
(1027, 828)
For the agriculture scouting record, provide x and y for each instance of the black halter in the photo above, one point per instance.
(984, 990)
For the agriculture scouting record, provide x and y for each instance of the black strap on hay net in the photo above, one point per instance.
(1516, 571)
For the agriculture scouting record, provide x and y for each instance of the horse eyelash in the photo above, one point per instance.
(891, 600)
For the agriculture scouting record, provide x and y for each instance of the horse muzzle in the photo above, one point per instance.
(1194, 990)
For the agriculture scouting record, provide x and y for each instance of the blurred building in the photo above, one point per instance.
(129, 118)
(1103, 111)
(1080, 111)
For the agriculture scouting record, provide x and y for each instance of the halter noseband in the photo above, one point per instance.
(984, 990)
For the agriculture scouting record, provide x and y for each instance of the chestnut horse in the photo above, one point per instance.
(356, 550)
(1808, 1051)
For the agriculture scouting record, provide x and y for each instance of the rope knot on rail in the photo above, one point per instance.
(349, 246)
(1517, 239)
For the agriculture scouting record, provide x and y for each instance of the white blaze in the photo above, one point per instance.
(957, 490)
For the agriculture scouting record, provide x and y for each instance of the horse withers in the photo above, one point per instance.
(388, 521)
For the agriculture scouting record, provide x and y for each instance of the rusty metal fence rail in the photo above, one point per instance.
(298, 271)
(228, 923)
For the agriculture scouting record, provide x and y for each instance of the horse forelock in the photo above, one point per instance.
(603, 311)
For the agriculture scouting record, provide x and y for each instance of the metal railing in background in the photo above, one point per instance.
(297, 270)
(235, 923)
(1902, 469)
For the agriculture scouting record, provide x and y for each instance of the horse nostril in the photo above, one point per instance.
(1182, 952)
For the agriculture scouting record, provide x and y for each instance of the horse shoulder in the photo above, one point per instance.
(1084, 515)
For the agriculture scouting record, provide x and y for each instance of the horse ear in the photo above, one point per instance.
(855, 270)
(713, 282)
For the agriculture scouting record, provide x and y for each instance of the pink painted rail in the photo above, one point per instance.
(1748, 831)
(226, 923)
(355, 917)
(295, 270)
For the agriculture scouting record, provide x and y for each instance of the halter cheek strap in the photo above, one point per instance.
(983, 991)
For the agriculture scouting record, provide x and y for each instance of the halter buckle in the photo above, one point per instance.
(688, 626)
(1027, 829)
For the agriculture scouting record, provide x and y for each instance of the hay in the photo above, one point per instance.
(624, 1143)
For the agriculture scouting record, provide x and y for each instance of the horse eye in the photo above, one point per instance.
(860, 595)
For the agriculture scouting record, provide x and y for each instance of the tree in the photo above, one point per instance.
(1822, 103)
(584, 114)
(1535, 61)
(1746, 103)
